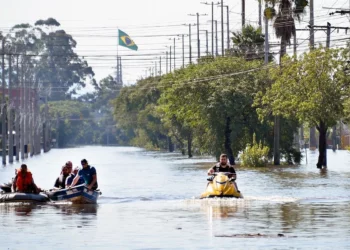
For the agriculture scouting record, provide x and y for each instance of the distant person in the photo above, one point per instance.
(24, 182)
(89, 175)
(61, 180)
(71, 177)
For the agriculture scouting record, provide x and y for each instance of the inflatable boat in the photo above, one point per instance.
(7, 196)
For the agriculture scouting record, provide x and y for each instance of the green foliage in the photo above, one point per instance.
(73, 124)
(248, 44)
(255, 155)
(136, 116)
(312, 89)
(56, 65)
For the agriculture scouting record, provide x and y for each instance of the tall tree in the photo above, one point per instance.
(312, 89)
(284, 25)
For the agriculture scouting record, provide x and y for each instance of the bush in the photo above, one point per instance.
(255, 155)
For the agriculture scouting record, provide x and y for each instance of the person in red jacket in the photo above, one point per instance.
(24, 182)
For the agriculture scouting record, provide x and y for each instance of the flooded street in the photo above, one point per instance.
(150, 201)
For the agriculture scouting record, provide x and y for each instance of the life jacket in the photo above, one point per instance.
(219, 168)
(23, 183)
(62, 181)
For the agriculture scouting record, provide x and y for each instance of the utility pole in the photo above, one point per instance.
(198, 41)
(212, 26)
(174, 56)
(183, 51)
(216, 39)
(155, 69)
(10, 120)
(212, 29)
(260, 9)
(190, 43)
(3, 108)
(312, 139)
(222, 28)
(206, 42)
(312, 32)
(228, 27)
(166, 62)
(22, 113)
(243, 14)
(17, 113)
(160, 66)
(295, 45)
(328, 43)
(170, 60)
(266, 39)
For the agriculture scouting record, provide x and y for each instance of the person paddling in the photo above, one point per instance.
(89, 175)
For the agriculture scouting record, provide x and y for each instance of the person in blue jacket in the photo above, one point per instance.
(88, 173)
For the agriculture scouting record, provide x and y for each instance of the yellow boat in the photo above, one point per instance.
(222, 185)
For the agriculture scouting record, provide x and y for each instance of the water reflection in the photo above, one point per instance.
(19, 209)
(70, 209)
(291, 215)
(324, 172)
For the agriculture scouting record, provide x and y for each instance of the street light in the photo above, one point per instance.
(183, 49)
(198, 41)
(228, 24)
(174, 51)
(212, 25)
(189, 40)
(169, 57)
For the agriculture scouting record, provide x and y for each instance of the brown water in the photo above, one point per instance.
(149, 202)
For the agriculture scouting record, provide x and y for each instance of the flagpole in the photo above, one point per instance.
(117, 42)
(118, 56)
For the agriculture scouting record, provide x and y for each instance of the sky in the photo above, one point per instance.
(152, 24)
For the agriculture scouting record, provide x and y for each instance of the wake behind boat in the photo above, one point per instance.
(77, 195)
(221, 186)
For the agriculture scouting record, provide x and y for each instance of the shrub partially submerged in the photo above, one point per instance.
(255, 155)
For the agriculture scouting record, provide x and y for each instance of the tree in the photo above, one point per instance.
(312, 89)
(284, 25)
(248, 44)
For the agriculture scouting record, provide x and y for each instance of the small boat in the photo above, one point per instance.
(222, 185)
(7, 196)
(77, 195)
(23, 197)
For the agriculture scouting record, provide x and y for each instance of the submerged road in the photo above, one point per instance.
(149, 201)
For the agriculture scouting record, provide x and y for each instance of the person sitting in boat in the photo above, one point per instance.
(24, 182)
(61, 180)
(71, 177)
(69, 165)
(89, 175)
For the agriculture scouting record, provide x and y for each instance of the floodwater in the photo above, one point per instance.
(150, 201)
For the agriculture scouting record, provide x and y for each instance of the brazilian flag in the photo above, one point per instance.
(126, 41)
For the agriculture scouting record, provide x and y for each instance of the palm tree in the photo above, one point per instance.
(284, 25)
(248, 44)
